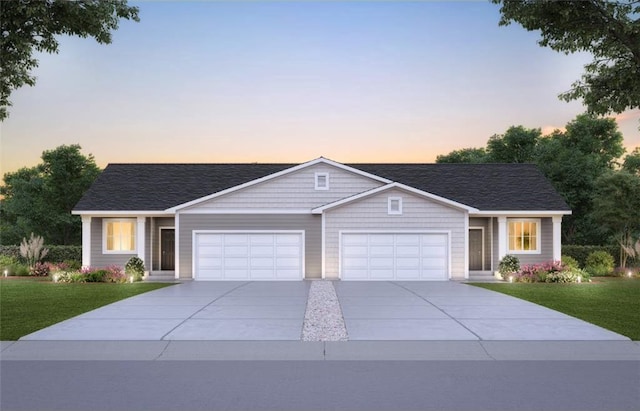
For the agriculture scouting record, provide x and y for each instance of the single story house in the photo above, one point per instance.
(320, 219)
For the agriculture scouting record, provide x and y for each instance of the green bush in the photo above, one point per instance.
(56, 254)
(96, 276)
(508, 265)
(72, 265)
(599, 263)
(135, 268)
(569, 262)
(581, 252)
(13, 266)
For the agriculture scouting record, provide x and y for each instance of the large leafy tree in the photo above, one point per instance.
(632, 162)
(609, 30)
(32, 25)
(617, 207)
(517, 145)
(40, 199)
(465, 155)
(573, 160)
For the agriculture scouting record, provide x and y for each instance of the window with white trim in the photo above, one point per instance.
(322, 181)
(524, 235)
(394, 205)
(119, 235)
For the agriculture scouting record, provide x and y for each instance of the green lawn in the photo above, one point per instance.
(29, 304)
(611, 303)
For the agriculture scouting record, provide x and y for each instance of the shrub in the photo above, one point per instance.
(508, 265)
(97, 276)
(572, 275)
(599, 263)
(624, 272)
(71, 277)
(40, 269)
(570, 262)
(73, 265)
(135, 268)
(115, 274)
(581, 252)
(32, 250)
(56, 254)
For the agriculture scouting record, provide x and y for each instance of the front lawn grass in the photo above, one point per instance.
(611, 303)
(30, 304)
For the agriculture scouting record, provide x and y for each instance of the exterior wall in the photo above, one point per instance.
(485, 223)
(158, 223)
(293, 191)
(311, 224)
(546, 244)
(417, 214)
(98, 259)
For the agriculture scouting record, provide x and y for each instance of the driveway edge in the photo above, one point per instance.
(320, 351)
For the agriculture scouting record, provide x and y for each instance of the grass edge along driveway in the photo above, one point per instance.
(611, 303)
(28, 305)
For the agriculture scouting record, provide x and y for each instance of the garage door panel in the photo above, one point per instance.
(247, 256)
(386, 256)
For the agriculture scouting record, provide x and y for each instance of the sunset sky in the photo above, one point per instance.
(293, 81)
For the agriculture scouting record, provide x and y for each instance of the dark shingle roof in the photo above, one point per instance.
(156, 187)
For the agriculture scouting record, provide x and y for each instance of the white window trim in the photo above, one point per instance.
(105, 221)
(538, 222)
(326, 179)
(390, 211)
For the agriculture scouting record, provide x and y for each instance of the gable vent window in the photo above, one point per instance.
(395, 206)
(322, 181)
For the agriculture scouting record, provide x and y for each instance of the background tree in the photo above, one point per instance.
(40, 199)
(573, 160)
(465, 155)
(610, 31)
(617, 207)
(631, 162)
(28, 25)
(517, 145)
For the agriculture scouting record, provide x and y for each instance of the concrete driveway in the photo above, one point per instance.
(275, 311)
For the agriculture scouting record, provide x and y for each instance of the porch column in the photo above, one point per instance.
(86, 240)
(140, 238)
(503, 238)
(557, 237)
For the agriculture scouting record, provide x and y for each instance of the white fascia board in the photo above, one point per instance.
(446, 201)
(141, 213)
(247, 211)
(521, 213)
(275, 175)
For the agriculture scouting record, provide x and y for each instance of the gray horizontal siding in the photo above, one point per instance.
(546, 244)
(311, 224)
(293, 191)
(371, 214)
(98, 259)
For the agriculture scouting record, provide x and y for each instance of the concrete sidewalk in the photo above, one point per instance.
(372, 311)
(319, 351)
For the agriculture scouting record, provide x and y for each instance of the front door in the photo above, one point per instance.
(167, 249)
(475, 250)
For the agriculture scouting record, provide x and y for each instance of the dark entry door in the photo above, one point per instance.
(475, 250)
(167, 249)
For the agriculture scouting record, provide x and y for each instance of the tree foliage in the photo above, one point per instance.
(32, 25)
(465, 155)
(609, 30)
(517, 145)
(617, 208)
(572, 160)
(631, 162)
(40, 199)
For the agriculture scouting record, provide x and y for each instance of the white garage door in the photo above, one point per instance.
(248, 256)
(394, 256)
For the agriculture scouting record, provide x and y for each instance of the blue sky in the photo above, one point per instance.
(292, 81)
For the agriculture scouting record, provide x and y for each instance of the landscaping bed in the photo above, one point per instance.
(30, 304)
(611, 303)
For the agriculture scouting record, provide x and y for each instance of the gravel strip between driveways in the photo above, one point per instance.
(323, 319)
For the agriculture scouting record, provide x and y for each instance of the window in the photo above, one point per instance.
(119, 236)
(524, 236)
(394, 205)
(322, 181)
